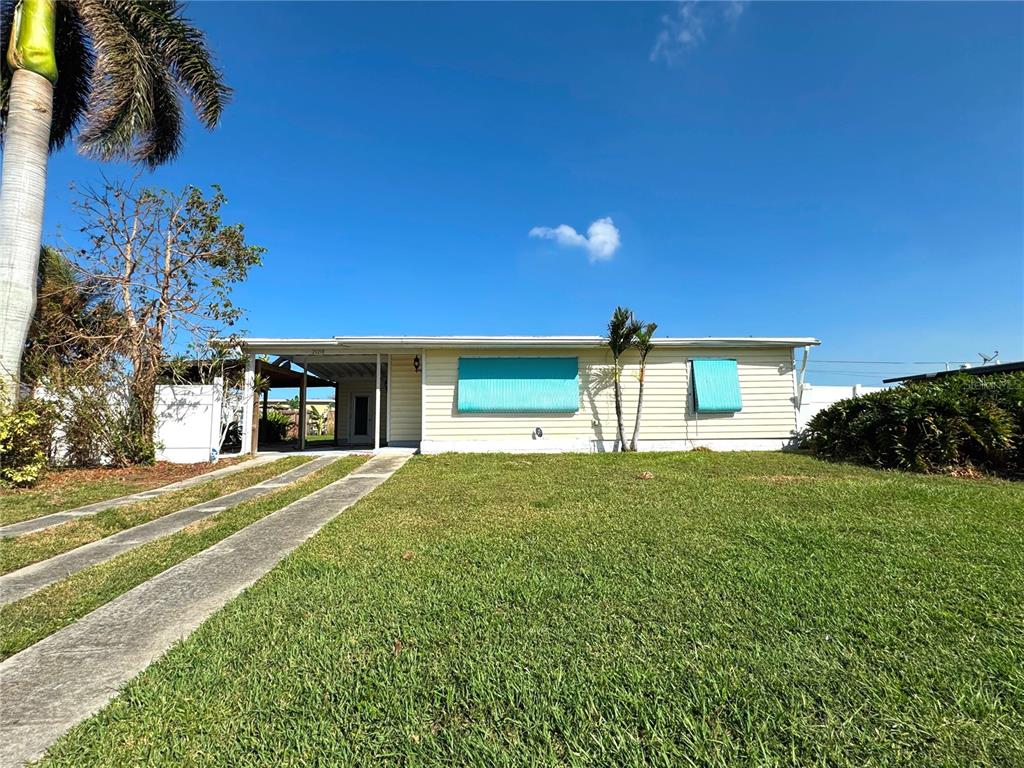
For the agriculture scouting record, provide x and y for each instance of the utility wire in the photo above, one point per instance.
(893, 362)
(830, 372)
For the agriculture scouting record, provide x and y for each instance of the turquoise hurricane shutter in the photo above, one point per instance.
(519, 385)
(716, 386)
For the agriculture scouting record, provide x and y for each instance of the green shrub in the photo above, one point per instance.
(95, 425)
(274, 427)
(953, 423)
(24, 434)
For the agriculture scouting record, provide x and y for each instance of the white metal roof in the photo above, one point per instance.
(343, 344)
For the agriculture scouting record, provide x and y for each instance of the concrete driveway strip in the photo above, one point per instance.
(52, 686)
(56, 518)
(24, 581)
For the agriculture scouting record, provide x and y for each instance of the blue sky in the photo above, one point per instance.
(851, 171)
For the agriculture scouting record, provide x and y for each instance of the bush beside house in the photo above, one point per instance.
(952, 424)
(23, 427)
(274, 427)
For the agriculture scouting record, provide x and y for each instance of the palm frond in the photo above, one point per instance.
(74, 73)
(54, 268)
(181, 47)
(74, 69)
(121, 103)
(622, 327)
(6, 23)
(643, 338)
(145, 55)
(165, 136)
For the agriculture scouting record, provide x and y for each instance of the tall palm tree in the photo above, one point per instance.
(621, 330)
(123, 66)
(643, 342)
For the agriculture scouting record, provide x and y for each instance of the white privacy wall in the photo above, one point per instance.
(188, 419)
(818, 398)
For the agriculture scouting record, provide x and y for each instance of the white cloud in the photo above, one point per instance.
(687, 27)
(734, 9)
(601, 241)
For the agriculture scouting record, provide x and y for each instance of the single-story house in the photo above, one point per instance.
(539, 393)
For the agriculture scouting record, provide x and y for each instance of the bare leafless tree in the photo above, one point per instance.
(166, 264)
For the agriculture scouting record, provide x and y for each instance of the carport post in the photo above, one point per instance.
(337, 413)
(302, 408)
(376, 410)
(248, 403)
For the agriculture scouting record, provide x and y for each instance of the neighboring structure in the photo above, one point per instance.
(978, 370)
(319, 415)
(541, 393)
(285, 402)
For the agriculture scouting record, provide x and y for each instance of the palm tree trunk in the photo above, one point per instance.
(22, 191)
(639, 407)
(621, 434)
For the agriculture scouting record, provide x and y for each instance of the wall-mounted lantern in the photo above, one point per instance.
(416, 363)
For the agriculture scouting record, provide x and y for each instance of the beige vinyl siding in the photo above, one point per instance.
(406, 387)
(442, 421)
(766, 388)
(767, 393)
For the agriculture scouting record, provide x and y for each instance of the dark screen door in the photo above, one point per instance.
(361, 416)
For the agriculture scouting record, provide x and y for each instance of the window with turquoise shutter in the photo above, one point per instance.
(518, 385)
(716, 386)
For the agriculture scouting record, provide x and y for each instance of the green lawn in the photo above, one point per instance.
(69, 488)
(736, 609)
(29, 620)
(17, 552)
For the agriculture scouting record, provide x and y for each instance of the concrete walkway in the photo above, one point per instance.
(58, 682)
(24, 581)
(56, 518)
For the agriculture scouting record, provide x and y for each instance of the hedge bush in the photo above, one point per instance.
(949, 424)
(274, 427)
(24, 434)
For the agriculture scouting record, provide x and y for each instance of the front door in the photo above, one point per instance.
(360, 426)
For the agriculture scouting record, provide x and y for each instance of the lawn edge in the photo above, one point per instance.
(71, 616)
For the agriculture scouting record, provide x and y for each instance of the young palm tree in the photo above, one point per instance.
(621, 330)
(643, 343)
(122, 67)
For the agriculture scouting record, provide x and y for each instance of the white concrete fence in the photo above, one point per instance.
(190, 421)
(818, 398)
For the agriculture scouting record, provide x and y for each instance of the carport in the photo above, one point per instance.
(360, 379)
(280, 375)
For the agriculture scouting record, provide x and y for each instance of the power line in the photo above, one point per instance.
(892, 362)
(830, 372)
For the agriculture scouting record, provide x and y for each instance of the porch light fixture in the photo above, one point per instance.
(416, 363)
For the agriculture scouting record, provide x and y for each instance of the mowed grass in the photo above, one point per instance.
(29, 620)
(69, 488)
(735, 609)
(17, 552)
